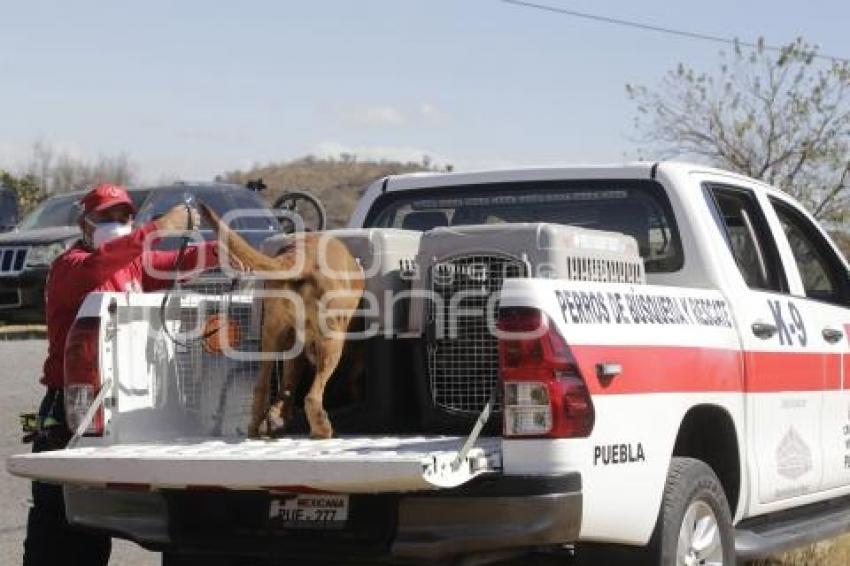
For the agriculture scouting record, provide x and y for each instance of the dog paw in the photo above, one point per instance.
(275, 426)
(274, 423)
(322, 428)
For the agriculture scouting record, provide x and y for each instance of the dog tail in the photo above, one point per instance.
(235, 245)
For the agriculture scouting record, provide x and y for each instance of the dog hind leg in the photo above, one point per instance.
(272, 341)
(329, 352)
(293, 370)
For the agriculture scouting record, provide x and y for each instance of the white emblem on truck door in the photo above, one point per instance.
(793, 456)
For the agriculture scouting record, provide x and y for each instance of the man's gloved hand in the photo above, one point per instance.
(177, 219)
(29, 426)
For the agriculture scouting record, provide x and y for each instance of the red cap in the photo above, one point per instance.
(103, 196)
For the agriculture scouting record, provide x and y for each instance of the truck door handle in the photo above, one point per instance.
(832, 335)
(608, 370)
(763, 330)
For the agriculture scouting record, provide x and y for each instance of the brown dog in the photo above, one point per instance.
(329, 288)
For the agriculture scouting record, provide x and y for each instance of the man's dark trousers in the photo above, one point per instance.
(50, 540)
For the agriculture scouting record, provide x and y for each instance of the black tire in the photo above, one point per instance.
(689, 482)
(306, 205)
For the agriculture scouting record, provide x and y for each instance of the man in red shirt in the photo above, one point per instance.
(110, 256)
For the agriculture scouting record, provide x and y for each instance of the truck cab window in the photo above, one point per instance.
(823, 273)
(637, 208)
(748, 238)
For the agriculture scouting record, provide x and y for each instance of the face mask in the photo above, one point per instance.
(108, 231)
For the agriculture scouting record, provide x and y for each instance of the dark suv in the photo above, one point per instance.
(27, 252)
(8, 208)
(256, 223)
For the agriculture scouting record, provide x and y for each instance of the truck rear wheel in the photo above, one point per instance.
(694, 525)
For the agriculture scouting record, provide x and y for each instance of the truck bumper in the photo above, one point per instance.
(511, 512)
(495, 514)
(23, 291)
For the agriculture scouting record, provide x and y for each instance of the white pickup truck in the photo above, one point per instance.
(648, 361)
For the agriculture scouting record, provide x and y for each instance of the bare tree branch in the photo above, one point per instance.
(784, 119)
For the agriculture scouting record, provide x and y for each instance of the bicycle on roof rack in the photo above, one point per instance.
(297, 210)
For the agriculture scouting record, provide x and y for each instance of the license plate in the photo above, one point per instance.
(309, 511)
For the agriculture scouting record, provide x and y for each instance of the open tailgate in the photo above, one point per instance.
(349, 465)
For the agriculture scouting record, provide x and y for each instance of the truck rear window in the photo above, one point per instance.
(634, 207)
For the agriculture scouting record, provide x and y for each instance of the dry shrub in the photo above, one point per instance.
(834, 552)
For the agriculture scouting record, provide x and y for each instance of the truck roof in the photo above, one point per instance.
(635, 170)
(638, 170)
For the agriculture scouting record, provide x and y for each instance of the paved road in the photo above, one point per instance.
(20, 368)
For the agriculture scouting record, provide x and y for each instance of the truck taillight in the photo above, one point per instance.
(82, 374)
(544, 392)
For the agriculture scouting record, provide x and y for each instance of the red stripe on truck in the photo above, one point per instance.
(832, 371)
(680, 369)
(786, 371)
(660, 369)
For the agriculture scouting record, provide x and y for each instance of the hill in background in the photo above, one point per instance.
(337, 183)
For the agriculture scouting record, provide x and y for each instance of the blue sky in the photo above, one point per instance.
(190, 89)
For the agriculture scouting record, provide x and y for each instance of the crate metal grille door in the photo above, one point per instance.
(213, 387)
(462, 352)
